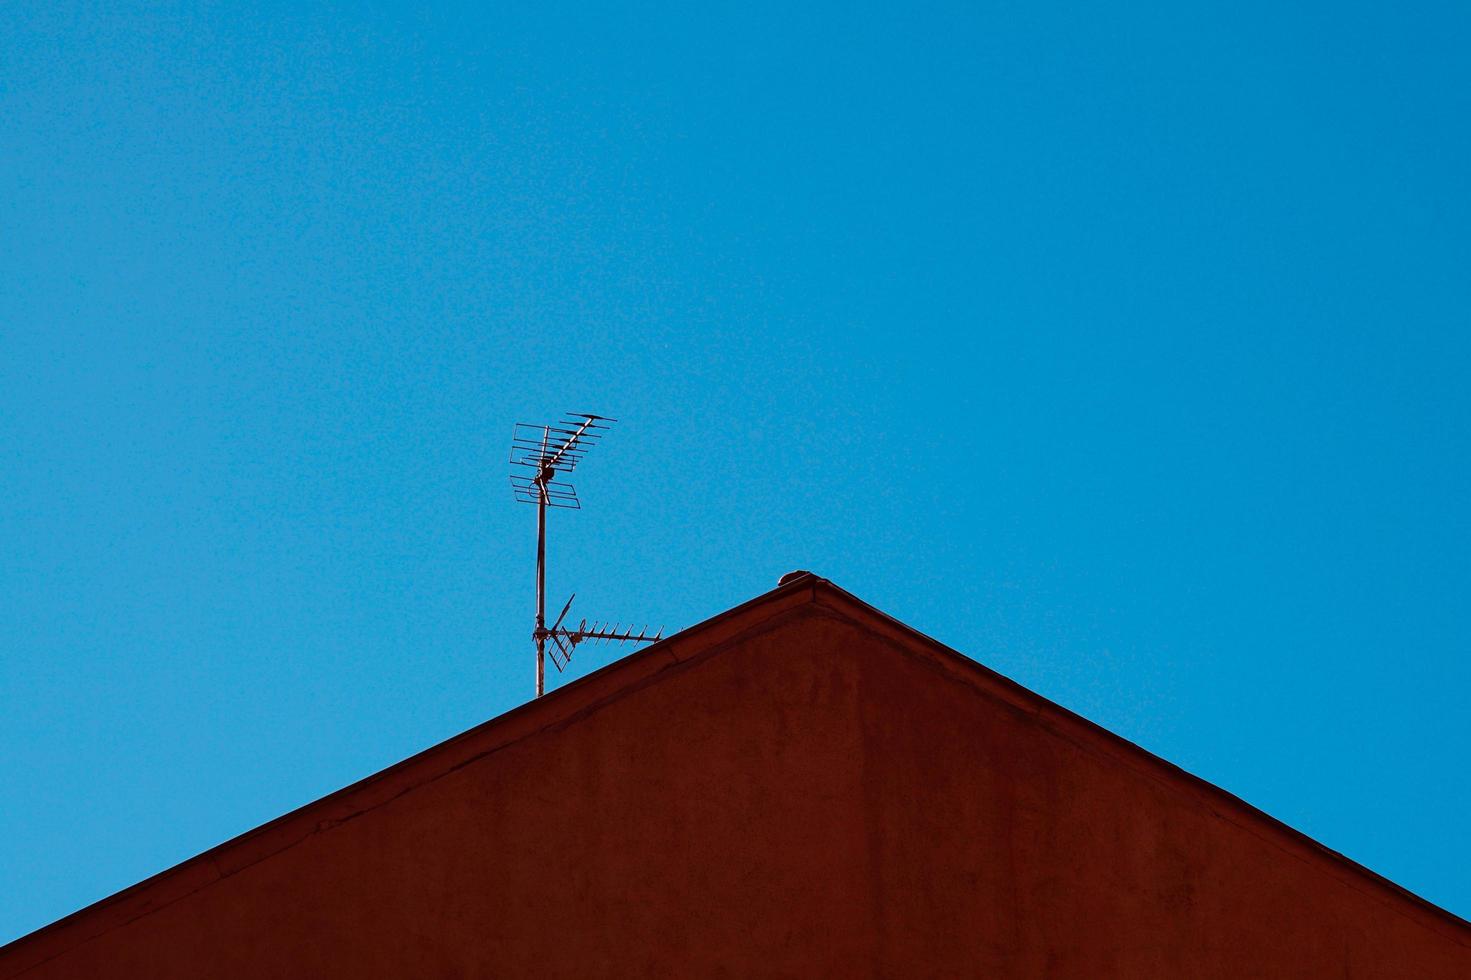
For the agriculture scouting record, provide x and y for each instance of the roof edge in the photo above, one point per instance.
(560, 706)
(1064, 721)
(631, 673)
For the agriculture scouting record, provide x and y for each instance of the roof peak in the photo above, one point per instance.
(799, 594)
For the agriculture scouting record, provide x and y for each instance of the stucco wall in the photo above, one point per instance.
(812, 801)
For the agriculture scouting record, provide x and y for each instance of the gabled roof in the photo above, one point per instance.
(802, 596)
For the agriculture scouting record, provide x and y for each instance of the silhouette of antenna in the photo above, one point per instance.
(550, 450)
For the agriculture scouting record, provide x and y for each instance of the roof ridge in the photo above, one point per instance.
(797, 592)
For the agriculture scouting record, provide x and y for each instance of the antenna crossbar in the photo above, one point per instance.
(616, 634)
(565, 641)
(529, 491)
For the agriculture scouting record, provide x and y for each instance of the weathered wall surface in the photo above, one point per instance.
(813, 801)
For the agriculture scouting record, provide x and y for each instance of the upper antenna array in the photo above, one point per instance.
(549, 450)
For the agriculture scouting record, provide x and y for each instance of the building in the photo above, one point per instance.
(800, 786)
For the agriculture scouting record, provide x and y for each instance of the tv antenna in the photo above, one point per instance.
(550, 450)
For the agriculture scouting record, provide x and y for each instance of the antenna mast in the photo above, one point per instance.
(549, 450)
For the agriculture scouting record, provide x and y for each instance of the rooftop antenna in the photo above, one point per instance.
(549, 450)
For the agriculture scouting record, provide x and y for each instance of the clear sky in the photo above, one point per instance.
(1124, 348)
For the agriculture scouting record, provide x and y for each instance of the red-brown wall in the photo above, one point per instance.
(811, 792)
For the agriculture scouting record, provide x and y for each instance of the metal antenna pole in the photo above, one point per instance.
(549, 450)
(543, 476)
(541, 593)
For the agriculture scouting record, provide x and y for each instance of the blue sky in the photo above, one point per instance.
(1125, 350)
